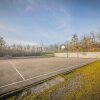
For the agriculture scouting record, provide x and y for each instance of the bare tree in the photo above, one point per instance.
(74, 42)
(2, 46)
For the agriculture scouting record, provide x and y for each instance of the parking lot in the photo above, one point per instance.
(18, 73)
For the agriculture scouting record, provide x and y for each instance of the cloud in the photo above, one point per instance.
(11, 42)
(61, 26)
(12, 35)
(60, 17)
(60, 14)
(57, 17)
(28, 8)
(7, 28)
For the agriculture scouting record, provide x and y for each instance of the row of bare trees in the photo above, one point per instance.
(86, 43)
(19, 49)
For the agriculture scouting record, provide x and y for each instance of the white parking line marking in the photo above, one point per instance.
(46, 74)
(13, 65)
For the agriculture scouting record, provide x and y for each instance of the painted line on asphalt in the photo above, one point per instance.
(46, 74)
(13, 65)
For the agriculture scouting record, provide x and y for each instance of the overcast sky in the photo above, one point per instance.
(47, 21)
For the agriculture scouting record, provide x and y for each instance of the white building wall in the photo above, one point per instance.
(80, 55)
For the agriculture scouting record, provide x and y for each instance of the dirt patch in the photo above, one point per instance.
(46, 85)
(72, 85)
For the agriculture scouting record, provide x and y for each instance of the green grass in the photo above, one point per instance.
(82, 84)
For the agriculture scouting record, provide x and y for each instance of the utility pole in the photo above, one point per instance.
(67, 47)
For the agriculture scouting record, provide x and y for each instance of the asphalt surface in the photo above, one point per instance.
(18, 73)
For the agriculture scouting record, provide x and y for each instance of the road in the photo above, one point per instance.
(18, 73)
